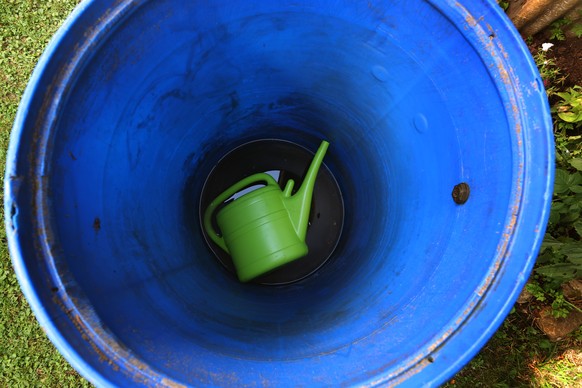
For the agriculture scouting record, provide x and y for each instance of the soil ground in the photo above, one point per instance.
(567, 54)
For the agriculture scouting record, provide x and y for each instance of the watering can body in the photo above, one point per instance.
(259, 244)
(264, 229)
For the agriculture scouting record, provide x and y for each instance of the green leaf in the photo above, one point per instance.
(554, 217)
(573, 252)
(545, 344)
(559, 207)
(536, 291)
(565, 96)
(561, 271)
(561, 181)
(550, 242)
(570, 117)
(576, 163)
(547, 256)
(569, 218)
(577, 30)
(564, 181)
(575, 204)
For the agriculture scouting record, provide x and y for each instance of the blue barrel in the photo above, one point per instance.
(135, 101)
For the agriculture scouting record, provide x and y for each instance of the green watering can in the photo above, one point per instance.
(264, 229)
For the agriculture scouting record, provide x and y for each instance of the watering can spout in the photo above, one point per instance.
(299, 205)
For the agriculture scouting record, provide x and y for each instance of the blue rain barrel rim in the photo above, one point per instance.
(512, 69)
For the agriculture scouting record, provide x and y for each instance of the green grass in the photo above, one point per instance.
(27, 357)
(562, 371)
(518, 355)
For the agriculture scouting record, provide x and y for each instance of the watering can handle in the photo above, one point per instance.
(232, 190)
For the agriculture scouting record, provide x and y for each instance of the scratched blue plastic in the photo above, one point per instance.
(134, 102)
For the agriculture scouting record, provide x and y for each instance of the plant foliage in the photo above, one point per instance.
(560, 258)
(557, 29)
